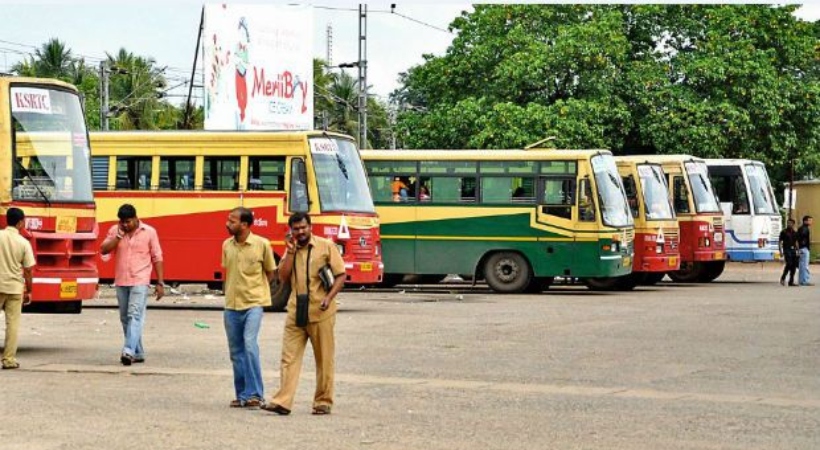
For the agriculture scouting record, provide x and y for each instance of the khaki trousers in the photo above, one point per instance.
(12, 306)
(293, 350)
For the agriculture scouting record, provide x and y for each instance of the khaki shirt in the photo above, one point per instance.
(246, 283)
(15, 253)
(323, 252)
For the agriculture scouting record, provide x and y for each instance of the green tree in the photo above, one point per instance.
(136, 86)
(714, 81)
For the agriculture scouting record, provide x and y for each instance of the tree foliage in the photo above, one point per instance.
(714, 81)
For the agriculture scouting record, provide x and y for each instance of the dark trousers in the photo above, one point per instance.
(791, 265)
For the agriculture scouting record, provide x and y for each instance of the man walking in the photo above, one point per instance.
(305, 256)
(249, 269)
(804, 243)
(136, 247)
(788, 248)
(16, 261)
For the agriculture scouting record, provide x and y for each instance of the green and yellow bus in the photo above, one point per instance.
(515, 218)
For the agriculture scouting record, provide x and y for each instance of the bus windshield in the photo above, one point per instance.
(614, 208)
(340, 176)
(702, 193)
(655, 192)
(51, 153)
(760, 189)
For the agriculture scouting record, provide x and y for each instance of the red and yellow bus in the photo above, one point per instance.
(700, 219)
(44, 143)
(184, 183)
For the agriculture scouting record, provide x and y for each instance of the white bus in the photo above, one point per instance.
(752, 219)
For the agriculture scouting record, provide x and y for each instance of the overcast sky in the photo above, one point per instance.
(167, 31)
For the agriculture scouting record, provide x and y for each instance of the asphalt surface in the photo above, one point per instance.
(728, 365)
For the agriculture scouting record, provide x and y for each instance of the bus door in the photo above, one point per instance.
(556, 217)
(732, 192)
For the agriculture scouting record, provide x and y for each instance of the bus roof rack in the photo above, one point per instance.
(537, 144)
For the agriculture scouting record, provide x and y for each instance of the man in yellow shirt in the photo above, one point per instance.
(16, 261)
(249, 268)
(306, 254)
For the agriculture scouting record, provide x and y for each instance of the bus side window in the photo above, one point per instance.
(468, 189)
(680, 195)
(99, 173)
(266, 173)
(631, 194)
(297, 194)
(133, 173)
(586, 202)
(559, 197)
(222, 173)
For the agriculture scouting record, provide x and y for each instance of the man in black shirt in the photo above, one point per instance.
(788, 248)
(804, 244)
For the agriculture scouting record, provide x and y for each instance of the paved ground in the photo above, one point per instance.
(730, 365)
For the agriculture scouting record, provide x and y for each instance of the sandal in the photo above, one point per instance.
(11, 365)
(252, 402)
(278, 409)
(321, 410)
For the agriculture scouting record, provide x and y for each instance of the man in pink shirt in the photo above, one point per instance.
(136, 248)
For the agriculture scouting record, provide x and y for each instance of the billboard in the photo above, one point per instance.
(258, 67)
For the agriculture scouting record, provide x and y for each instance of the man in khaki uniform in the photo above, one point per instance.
(16, 261)
(249, 268)
(300, 265)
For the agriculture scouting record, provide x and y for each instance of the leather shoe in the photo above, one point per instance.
(126, 359)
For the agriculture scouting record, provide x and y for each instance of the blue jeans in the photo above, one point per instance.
(132, 301)
(805, 275)
(242, 329)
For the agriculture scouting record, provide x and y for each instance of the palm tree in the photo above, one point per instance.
(136, 86)
(52, 60)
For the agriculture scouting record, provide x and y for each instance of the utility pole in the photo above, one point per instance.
(362, 76)
(103, 96)
(329, 49)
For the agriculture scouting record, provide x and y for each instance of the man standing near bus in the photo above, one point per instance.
(804, 242)
(304, 257)
(788, 248)
(16, 261)
(249, 269)
(136, 247)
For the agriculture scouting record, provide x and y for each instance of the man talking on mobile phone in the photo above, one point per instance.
(313, 302)
(136, 247)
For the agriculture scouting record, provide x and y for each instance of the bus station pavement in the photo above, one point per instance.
(727, 365)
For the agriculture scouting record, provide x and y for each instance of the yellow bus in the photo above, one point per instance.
(47, 174)
(516, 218)
(184, 183)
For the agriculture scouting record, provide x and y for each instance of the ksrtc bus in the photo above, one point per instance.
(656, 227)
(750, 211)
(516, 218)
(184, 183)
(700, 219)
(44, 143)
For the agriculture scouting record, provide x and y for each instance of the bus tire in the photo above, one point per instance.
(279, 295)
(688, 274)
(601, 284)
(539, 284)
(507, 272)
(653, 278)
(629, 282)
(711, 271)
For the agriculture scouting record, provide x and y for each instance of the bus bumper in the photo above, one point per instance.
(364, 272)
(656, 263)
(63, 289)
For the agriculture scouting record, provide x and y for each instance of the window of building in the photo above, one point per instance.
(176, 173)
(133, 173)
(266, 174)
(221, 174)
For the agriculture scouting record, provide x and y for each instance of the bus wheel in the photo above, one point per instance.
(507, 272)
(601, 284)
(687, 274)
(279, 295)
(711, 270)
(391, 279)
(539, 284)
(628, 282)
(653, 278)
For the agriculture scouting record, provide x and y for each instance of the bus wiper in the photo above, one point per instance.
(342, 166)
(27, 174)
